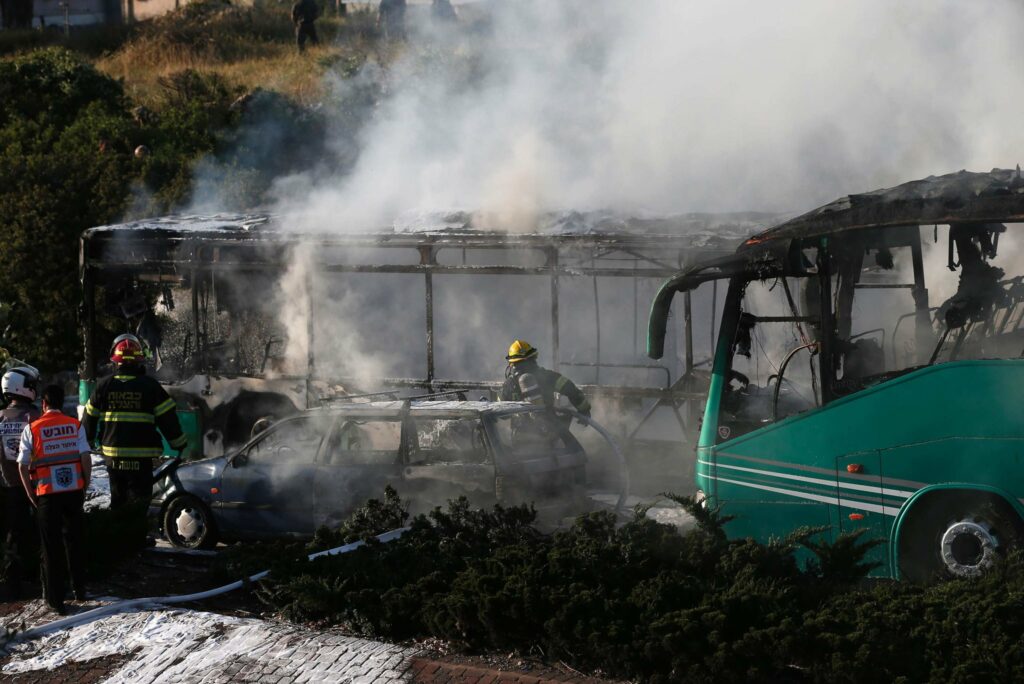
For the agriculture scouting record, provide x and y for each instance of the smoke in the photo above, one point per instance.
(671, 106)
(650, 107)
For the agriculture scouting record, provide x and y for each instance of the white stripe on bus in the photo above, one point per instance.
(896, 493)
(846, 503)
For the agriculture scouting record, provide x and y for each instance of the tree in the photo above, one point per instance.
(17, 14)
(65, 165)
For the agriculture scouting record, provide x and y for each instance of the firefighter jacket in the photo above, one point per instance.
(127, 409)
(535, 384)
(13, 420)
(52, 448)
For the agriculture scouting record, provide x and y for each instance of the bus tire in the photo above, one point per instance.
(956, 534)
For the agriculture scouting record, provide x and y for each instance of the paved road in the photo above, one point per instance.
(185, 646)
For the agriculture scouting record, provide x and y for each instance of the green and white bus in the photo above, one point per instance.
(848, 392)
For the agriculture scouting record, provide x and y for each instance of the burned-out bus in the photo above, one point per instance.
(247, 317)
(868, 374)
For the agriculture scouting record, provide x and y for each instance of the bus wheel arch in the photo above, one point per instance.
(955, 531)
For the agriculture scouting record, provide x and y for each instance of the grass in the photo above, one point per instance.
(249, 47)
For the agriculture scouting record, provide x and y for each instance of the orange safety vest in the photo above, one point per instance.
(56, 465)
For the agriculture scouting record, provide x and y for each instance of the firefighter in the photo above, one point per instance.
(525, 380)
(55, 464)
(131, 407)
(304, 15)
(19, 391)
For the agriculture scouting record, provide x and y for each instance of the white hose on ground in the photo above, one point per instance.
(146, 603)
(623, 468)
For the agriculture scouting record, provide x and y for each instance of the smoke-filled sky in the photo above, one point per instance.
(671, 105)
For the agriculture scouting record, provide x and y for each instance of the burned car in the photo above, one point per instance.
(314, 469)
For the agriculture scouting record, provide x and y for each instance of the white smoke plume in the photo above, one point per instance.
(670, 105)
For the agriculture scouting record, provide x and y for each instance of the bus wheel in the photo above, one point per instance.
(957, 535)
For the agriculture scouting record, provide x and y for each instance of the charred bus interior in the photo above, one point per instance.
(817, 313)
(248, 317)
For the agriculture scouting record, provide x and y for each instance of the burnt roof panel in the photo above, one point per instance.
(962, 197)
(696, 229)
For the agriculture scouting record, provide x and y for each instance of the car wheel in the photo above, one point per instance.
(957, 535)
(188, 524)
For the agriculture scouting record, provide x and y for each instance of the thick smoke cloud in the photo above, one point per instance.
(665, 105)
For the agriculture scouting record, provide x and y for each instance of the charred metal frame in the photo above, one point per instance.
(163, 253)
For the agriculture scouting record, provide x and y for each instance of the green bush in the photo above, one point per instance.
(638, 600)
(646, 602)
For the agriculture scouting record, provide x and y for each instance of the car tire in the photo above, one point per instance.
(188, 524)
(957, 535)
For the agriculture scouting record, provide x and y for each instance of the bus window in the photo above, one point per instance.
(774, 337)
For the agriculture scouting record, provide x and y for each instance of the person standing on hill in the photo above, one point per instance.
(304, 14)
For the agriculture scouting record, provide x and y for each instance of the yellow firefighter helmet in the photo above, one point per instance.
(520, 350)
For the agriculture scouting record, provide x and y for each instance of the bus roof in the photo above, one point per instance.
(962, 197)
(696, 229)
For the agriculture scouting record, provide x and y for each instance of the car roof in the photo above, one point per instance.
(425, 408)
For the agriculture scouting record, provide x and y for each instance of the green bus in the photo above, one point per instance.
(849, 393)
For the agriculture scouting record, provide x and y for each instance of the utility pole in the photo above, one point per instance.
(66, 7)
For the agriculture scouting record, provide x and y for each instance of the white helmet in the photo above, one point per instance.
(20, 382)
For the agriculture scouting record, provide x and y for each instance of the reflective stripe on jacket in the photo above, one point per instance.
(549, 384)
(56, 465)
(125, 412)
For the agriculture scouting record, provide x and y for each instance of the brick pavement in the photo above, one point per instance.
(194, 647)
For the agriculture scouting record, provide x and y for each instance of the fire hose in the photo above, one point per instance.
(147, 603)
(619, 456)
(150, 602)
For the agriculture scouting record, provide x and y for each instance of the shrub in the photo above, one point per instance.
(638, 600)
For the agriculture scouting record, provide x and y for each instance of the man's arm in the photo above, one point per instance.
(574, 394)
(507, 393)
(26, 482)
(91, 418)
(166, 414)
(24, 460)
(86, 455)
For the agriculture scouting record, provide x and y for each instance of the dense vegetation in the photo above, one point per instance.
(646, 602)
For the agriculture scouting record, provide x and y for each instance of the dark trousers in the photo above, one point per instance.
(18, 539)
(306, 31)
(131, 481)
(61, 520)
(131, 488)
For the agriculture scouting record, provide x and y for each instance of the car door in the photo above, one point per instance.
(360, 457)
(539, 460)
(448, 456)
(267, 489)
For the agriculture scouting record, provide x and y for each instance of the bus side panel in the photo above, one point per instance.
(956, 421)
